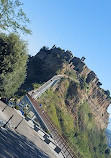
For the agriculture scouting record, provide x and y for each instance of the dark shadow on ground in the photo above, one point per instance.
(18, 146)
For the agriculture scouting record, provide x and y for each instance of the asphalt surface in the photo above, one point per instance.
(23, 142)
(13, 145)
(37, 93)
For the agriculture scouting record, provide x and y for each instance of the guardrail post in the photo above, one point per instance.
(7, 121)
(4, 108)
(19, 123)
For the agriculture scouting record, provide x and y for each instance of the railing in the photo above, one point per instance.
(60, 139)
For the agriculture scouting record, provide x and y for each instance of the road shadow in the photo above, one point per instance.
(13, 145)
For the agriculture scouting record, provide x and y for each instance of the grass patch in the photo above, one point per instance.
(71, 74)
(82, 137)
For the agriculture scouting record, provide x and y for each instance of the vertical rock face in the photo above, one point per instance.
(96, 98)
(79, 65)
(90, 77)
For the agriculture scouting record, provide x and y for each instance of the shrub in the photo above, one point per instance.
(16, 107)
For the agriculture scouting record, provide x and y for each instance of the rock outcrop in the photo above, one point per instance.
(49, 62)
(95, 97)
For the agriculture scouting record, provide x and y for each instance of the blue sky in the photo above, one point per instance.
(82, 26)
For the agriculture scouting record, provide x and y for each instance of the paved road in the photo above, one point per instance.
(22, 143)
(13, 145)
(37, 93)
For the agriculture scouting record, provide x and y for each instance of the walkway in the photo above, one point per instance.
(23, 142)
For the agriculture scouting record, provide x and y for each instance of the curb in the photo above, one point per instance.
(45, 137)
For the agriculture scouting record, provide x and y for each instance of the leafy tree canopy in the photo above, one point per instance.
(12, 17)
(107, 92)
(107, 151)
(13, 59)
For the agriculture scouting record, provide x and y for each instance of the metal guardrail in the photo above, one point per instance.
(39, 91)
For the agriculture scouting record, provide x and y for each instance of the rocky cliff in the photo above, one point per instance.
(49, 62)
(77, 104)
(92, 94)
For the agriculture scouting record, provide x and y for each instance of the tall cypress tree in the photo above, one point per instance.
(13, 60)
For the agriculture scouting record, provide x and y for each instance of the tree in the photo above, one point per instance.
(107, 151)
(83, 83)
(36, 85)
(13, 59)
(12, 17)
(16, 107)
(107, 92)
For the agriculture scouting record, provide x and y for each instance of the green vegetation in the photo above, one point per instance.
(82, 134)
(58, 72)
(85, 117)
(49, 99)
(39, 70)
(36, 85)
(16, 107)
(13, 59)
(26, 112)
(83, 83)
(12, 16)
(93, 141)
(44, 48)
(107, 92)
(72, 90)
(19, 94)
(71, 74)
